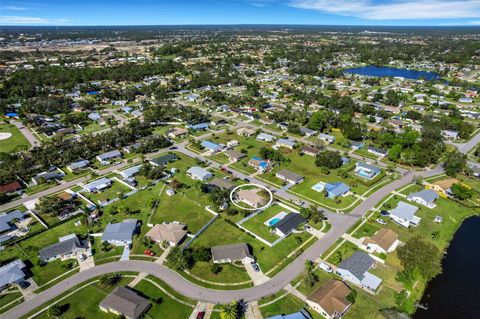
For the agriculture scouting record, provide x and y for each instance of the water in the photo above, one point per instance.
(378, 71)
(455, 293)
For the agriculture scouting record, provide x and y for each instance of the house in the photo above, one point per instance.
(221, 183)
(98, 185)
(383, 241)
(307, 132)
(177, 132)
(232, 143)
(327, 138)
(246, 131)
(251, 198)
(366, 170)
(198, 127)
(129, 173)
(289, 177)
(47, 177)
(11, 188)
(330, 300)
(7, 220)
(355, 270)
(12, 273)
(356, 145)
(120, 234)
(260, 164)
(232, 253)
(67, 247)
(163, 160)
(192, 97)
(285, 143)
(449, 134)
(404, 214)
(377, 151)
(443, 187)
(265, 137)
(234, 156)
(199, 173)
(78, 166)
(173, 233)
(94, 116)
(310, 150)
(210, 146)
(125, 303)
(132, 148)
(334, 190)
(105, 158)
(288, 224)
(425, 197)
(302, 314)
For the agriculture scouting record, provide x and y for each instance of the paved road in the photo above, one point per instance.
(466, 147)
(32, 139)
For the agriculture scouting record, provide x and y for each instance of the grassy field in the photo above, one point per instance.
(257, 226)
(114, 191)
(228, 274)
(15, 142)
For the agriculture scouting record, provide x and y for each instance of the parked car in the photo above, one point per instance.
(83, 257)
(307, 227)
(326, 267)
(381, 221)
(384, 213)
(24, 284)
(200, 314)
(173, 148)
(255, 267)
(246, 180)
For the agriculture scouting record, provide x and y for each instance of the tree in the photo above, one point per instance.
(455, 162)
(230, 311)
(55, 311)
(110, 280)
(180, 259)
(328, 159)
(461, 192)
(419, 255)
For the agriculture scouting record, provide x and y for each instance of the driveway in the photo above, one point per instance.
(126, 253)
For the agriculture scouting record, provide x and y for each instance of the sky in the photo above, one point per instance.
(191, 12)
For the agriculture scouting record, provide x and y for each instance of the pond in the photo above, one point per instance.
(379, 71)
(454, 293)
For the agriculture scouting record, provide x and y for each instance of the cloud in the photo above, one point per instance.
(14, 8)
(30, 20)
(395, 10)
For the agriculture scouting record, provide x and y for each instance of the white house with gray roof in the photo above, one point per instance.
(265, 137)
(404, 214)
(231, 253)
(120, 234)
(98, 185)
(425, 197)
(105, 158)
(199, 173)
(12, 273)
(355, 270)
(67, 247)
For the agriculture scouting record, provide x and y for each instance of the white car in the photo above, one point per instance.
(326, 267)
(381, 221)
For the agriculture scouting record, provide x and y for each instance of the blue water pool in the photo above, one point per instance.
(273, 221)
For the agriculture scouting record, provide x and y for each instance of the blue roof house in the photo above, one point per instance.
(336, 189)
(198, 127)
(212, 147)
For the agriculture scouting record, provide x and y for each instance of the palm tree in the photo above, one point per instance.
(230, 311)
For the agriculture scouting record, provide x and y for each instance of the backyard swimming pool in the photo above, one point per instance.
(275, 219)
(319, 187)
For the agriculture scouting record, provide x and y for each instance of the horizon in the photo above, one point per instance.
(427, 13)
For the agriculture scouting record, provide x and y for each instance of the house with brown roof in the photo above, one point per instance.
(383, 241)
(443, 187)
(234, 156)
(11, 188)
(330, 300)
(310, 150)
(173, 233)
(177, 132)
(251, 197)
(245, 131)
(125, 302)
(231, 253)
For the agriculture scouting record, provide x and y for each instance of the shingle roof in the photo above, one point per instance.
(290, 222)
(126, 302)
(358, 264)
(198, 172)
(404, 210)
(332, 297)
(170, 232)
(6, 218)
(12, 272)
(384, 238)
(164, 159)
(122, 231)
(232, 252)
(111, 154)
(291, 176)
(60, 248)
(427, 195)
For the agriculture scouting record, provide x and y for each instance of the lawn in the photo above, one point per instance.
(342, 253)
(6, 299)
(28, 249)
(228, 274)
(257, 226)
(15, 142)
(286, 305)
(114, 191)
(367, 230)
(222, 233)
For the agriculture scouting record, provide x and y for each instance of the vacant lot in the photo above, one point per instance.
(15, 142)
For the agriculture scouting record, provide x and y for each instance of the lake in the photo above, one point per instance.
(380, 71)
(455, 293)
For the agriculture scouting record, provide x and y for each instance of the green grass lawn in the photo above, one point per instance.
(15, 142)
(342, 253)
(228, 274)
(6, 299)
(114, 191)
(367, 230)
(286, 305)
(257, 226)
(222, 233)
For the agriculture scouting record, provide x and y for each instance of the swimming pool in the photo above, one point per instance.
(275, 219)
(319, 187)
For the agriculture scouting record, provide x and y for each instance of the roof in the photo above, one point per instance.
(200, 126)
(6, 218)
(358, 264)
(377, 150)
(446, 183)
(231, 252)
(302, 314)
(384, 238)
(170, 232)
(132, 170)
(210, 145)
(10, 187)
(198, 172)
(289, 222)
(310, 149)
(251, 195)
(61, 248)
(265, 136)
(126, 302)
(291, 176)
(367, 166)
(79, 164)
(404, 210)
(49, 175)
(234, 154)
(332, 297)
(164, 159)
(326, 136)
(110, 154)
(12, 272)
(122, 231)
(222, 183)
(98, 183)
(286, 142)
(337, 189)
(427, 195)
